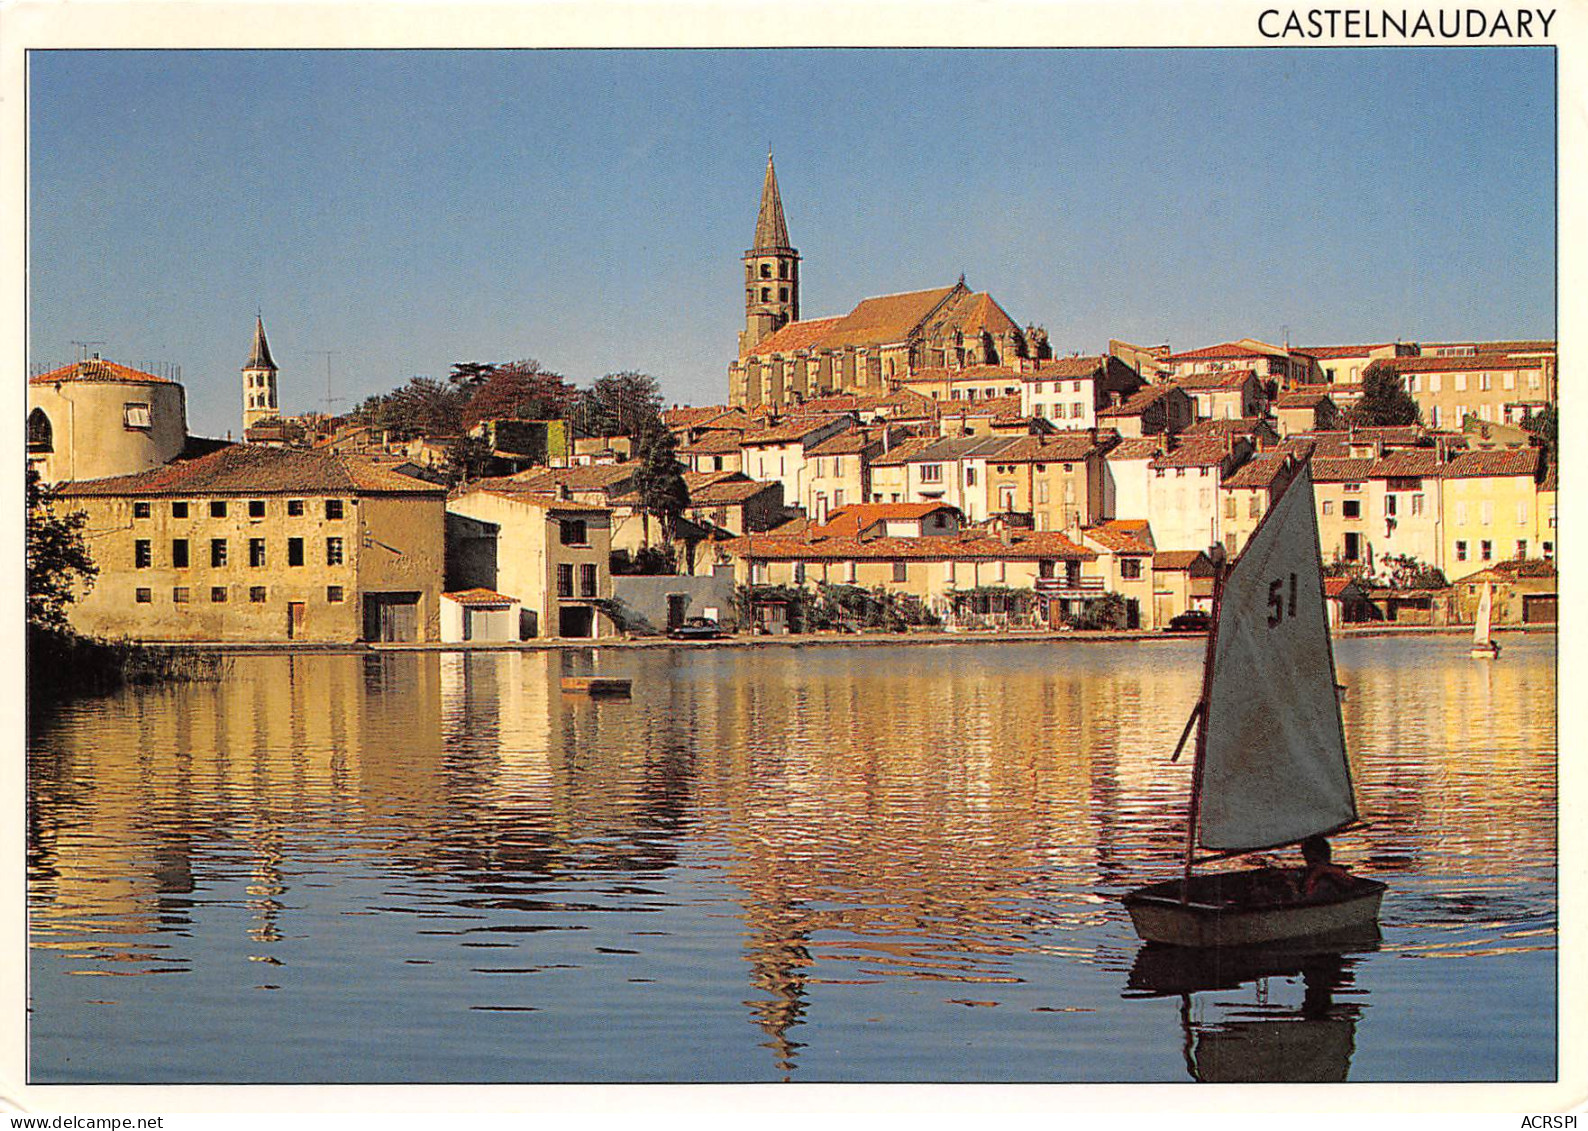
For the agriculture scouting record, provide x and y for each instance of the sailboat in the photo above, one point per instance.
(1271, 766)
(1483, 647)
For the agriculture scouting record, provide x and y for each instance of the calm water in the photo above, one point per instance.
(834, 863)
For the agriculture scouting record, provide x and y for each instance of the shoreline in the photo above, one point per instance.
(804, 640)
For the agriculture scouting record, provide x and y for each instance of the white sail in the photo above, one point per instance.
(1480, 630)
(1273, 764)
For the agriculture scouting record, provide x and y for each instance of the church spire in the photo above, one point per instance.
(259, 356)
(771, 233)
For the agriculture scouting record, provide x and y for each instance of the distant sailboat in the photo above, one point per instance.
(1483, 648)
(1271, 767)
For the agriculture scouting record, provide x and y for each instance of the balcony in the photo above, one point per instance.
(1070, 588)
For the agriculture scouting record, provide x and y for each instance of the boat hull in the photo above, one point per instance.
(1226, 909)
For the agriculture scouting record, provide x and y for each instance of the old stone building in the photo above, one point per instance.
(874, 348)
(96, 418)
(253, 543)
(259, 381)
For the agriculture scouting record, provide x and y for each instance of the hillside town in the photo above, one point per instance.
(921, 462)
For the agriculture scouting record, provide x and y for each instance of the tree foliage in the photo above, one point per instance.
(1384, 401)
(469, 457)
(57, 557)
(620, 404)
(519, 390)
(659, 481)
(423, 407)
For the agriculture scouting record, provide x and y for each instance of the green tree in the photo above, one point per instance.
(57, 557)
(1545, 427)
(423, 407)
(469, 457)
(620, 404)
(1385, 400)
(659, 482)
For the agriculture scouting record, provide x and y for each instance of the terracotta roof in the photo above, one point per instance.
(1407, 463)
(989, 406)
(1426, 364)
(520, 492)
(1302, 398)
(1063, 446)
(1195, 453)
(243, 469)
(1257, 472)
(1139, 401)
(963, 373)
(1143, 447)
(795, 336)
(96, 369)
(1499, 462)
(1511, 570)
(885, 319)
(1224, 379)
(1330, 470)
(1123, 535)
(480, 598)
(1223, 350)
(1239, 426)
(1548, 483)
(904, 451)
(727, 492)
(852, 518)
(713, 443)
(1179, 559)
(789, 430)
(847, 443)
(693, 416)
(585, 477)
(1334, 586)
(945, 449)
(982, 315)
(1519, 345)
(1329, 352)
(976, 546)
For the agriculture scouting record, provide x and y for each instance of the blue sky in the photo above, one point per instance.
(407, 210)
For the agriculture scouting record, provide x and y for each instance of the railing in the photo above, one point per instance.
(1061, 585)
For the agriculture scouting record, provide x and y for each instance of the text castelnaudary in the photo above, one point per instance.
(1385, 23)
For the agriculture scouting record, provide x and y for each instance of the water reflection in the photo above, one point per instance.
(1261, 1033)
(802, 850)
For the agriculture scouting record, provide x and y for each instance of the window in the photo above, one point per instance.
(1488, 512)
(1417, 504)
(141, 510)
(1078, 410)
(179, 553)
(1352, 508)
(218, 595)
(256, 552)
(1229, 506)
(900, 571)
(1130, 569)
(1549, 550)
(1389, 505)
(217, 553)
(295, 508)
(178, 510)
(294, 551)
(218, 508)
(1508, 381)
(333, 594)
(333, 509)
(782, 294)
(1521, 547)
(766, 270)
(1461, 382)
(565, 580)
(1434, 382)
(142, 554)
(587, 579)
(1461, 550)
(256, 508)
(1254, 505)
(1461, 514)
(41, 436)
(333, 551)
(799, 573)
(970, 477)
(849, 572)
(1483, 382)
(1328, 506)
(143, 596)
(1487, 550)
(766, 294)
(136, 417)
(572, 532)
(931, 473)
(179, 595)
(256, 594)
(1521, 510)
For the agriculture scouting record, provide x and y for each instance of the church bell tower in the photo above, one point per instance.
(259, 381)
(771, 271)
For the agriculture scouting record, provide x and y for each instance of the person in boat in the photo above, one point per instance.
(1321, 877)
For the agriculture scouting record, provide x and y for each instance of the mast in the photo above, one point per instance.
(1199, 755)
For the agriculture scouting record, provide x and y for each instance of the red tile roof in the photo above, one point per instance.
(96, 369)
(1325, 470)
(789, 430)
(1330, 352)
(1181, 559)
(1495, 361)
(1139, 401)
(1407, 463)
(1123, 535)
(847, 443)
(728, 492)
(1223, 350)
(692, 416)
(1258, 472)
(713, 443)
(1144, 447)
(481, 598)
(1302, 398)
(852, 518)
(1504, 462)
(1194, 453)
(1224, 379)
(1063, 446)
(243, 469)
(794, 337)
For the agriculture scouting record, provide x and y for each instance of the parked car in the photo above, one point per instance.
(698, 628)
(1192, 620)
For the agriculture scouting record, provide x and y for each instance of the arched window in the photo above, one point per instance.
(782, 269)
(41, 436)
(766, 270)
(766, 294)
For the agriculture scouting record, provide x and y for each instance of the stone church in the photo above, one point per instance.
(784, 360)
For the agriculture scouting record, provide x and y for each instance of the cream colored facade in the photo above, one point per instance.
(1247, 494)
(1340, 492)
(1405, 508)
(1486, 518)
(837, 478)
(97, 419)
(242, 566)
(1493, 388)
(552, 555)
